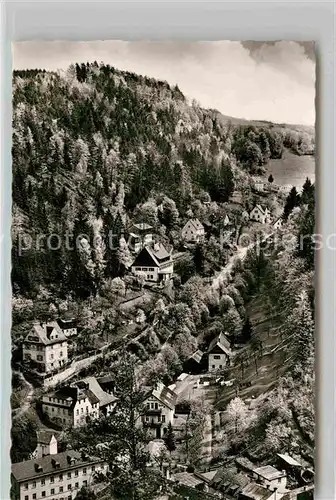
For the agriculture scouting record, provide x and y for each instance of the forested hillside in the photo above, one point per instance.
(91, 144)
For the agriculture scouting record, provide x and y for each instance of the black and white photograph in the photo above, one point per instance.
(163, 262)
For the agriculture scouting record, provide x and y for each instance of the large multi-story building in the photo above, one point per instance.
(45, 347)
(74, 405)
(54, 477)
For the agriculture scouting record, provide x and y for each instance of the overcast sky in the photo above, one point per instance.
(254, 80)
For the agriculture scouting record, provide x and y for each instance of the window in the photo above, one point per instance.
(34, 484)
(163, 418)
(34, 496)
(148, 406)
(60, 477)
(26, 486)
(93, 468)
(69, 497)
(43, 493)
(145, 269)
(42, 482)
(84, 470)
(61, 354)
(82, 410)
(69, 487)
(76, 473)
(51, 356)
(151, 269)
(85, 483)
(26, 497)
(69, 475)
(87, 409)
(213, 366)
(52, 479)
(76, 485)
(61, 489)
(147, 419)
(52, 491)
(77, 412)
(216, 356)
(39, 357)
(156, 406)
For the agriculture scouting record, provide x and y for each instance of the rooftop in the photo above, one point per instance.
(166, 396)
(44, 436)
(254, 491)
(289, 460)
(188, 479)
(269, 472)
(46, 333)
(49, 464)
(222, 342)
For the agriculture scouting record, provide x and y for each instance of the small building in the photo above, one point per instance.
(254, 491)
(156, 262)
(268, 475)
(219, 353)
(277, 223)
(46, 444)
(68, 326)
(55, 476)
(195, 363)
(259, 185)
(159, 409)
(260, 214)
(45, 347)
(139, 236)
(193, 231)
(74, 405)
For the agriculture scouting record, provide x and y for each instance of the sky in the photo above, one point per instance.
(272, 81)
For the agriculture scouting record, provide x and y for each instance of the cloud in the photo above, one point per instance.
(270, 81)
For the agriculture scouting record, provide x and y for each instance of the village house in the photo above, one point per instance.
(46, 444)
(269, 476)
(277, 223)
(260, 214)
(45, 347)
(259, 185)
(156, 262)
(159, 409)
(193, 231)
(254, 491)
(68, 326)
(58, 476)
(72, 406)
(139, 236)
(195, 363)
(219, 353)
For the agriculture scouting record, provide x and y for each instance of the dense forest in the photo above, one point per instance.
(92, 144)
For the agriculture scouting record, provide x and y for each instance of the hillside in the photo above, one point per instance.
(92, 144)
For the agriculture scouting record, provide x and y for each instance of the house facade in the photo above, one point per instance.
(260, 214)
(193, 231)
(219, 353)
(139, 236)
(156, 262)
(57, 477)
(45, 347)
(68, 326)
(46, 444)
(277, 223)
(159, 407)
(73, 406)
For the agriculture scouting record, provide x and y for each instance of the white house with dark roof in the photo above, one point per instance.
(45, 347)
(58, 477)
(193, 231)
(46, 443)
(159, 407)
(259, 214)
(219, 353)
(156, 262)
(277, 223)
(68, 326)
(72, 406)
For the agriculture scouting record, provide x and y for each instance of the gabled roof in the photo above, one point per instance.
(254, 491)
(24, 471)
(260, 208)
(226, 221)
(196, 224)
(197, 356)
(188, 479)
(166, 396)
(289, 460)
(44, 436)
(269, 472)
(222, 342)
(152, 256)
(96, 393)
(42, 333)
